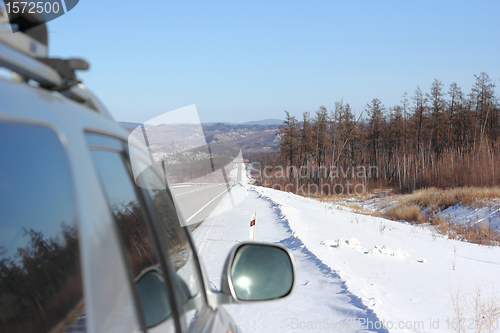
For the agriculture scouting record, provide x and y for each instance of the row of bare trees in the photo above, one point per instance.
(440, 138)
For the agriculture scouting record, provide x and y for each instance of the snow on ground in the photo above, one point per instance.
(319, 292)
(378, 202)
(486, 212)
(473, 215)
(351, 268)
(401, 272)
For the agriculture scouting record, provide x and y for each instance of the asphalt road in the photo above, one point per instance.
(198, 200)
(240, 170)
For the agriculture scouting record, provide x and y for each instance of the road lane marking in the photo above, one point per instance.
(202, 208)
(202, 188)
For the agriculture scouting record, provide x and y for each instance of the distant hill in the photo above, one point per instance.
(255, 122)
(252, 137)
(264, 122)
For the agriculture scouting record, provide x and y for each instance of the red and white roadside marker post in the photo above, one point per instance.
(252, 226)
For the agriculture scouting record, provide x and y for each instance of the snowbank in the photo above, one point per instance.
(403, 273)
(355, 272)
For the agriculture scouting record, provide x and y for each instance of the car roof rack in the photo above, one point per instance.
(24, 51)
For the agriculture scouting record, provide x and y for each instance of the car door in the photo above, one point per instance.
(164, 271)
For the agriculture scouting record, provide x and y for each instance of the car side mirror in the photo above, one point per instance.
(258, 272)
(152, 295)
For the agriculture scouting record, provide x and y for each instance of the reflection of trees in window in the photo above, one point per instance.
(135, 237)
(179, 248)
(41, 286)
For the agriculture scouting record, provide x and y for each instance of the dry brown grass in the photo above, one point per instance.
(410, 208)
(476, 310)
(325, 196)
(432, 200)
(481, 233)
(438, 199)
(406, 212)
(361, 210)
(442, 224)
(356, 208)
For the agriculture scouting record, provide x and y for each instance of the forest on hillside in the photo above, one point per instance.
(441, 138)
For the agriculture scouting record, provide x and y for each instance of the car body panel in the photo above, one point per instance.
(107, 291)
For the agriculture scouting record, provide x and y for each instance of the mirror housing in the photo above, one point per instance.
(257, 272)
(151, 291)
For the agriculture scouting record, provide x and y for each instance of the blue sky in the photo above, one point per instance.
(249, 60)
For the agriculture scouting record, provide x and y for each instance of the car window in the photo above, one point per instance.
(132, 226)
(181, 252)
(41, 286)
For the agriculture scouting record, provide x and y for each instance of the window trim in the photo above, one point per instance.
(164, 247)
(164, 264)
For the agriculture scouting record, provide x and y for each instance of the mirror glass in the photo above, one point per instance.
(153, 297)
(261, 272)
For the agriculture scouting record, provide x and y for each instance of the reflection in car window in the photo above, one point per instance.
(181, 253)
(129, 218)
(126, 210)
(40, 276)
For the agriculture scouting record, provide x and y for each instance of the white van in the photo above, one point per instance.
(83, 248)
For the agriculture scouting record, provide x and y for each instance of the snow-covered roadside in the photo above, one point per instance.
(352, 268)
(319, 293)
(405, 274)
